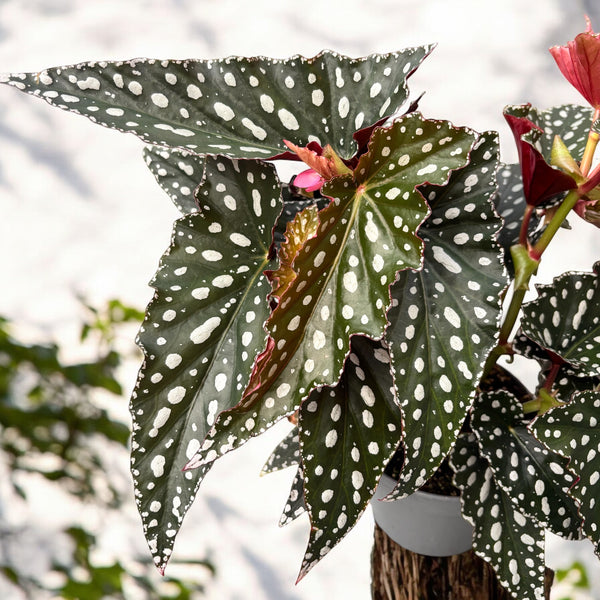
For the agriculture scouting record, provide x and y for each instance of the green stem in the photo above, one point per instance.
(526, 261)
(511, 315)
(559, 216)
(525, 267)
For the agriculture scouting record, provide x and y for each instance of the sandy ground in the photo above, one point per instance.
(80, 213)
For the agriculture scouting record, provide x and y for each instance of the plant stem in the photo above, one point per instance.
(526, 260)
(559, 216)
(523, 237)
(511, 316)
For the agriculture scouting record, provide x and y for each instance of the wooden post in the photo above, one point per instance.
(398, 574)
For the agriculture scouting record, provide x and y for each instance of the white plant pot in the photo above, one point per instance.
(424, 523)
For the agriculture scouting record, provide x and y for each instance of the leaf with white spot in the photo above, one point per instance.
(178, 173)
(572, 124)
(286, 454)
(295, 505)
(569, 121)
(573, 431)
(239, 107)
(565, 318)
(299, 230)
(348, 433)
(367, 234)
(201, 334)
(292, 205)
(568, 380)
(443, 321)
(510, 204)
(510, 542)
(566, 384)
(536, 479)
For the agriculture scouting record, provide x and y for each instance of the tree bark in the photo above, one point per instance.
(398, 574)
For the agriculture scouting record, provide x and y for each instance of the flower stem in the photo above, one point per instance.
(523, 235)
(590, 148)
(526, 261)
(559, 216)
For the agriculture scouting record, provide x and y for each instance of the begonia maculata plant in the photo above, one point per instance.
(365, 300)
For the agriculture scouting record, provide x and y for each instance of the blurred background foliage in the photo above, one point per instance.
(57, 428)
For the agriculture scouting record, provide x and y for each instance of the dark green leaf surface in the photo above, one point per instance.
(178, 173)
(569, 121)
(565, 318)
(201, 334)
(367, 234)
(573, 431)
(536, 479)
(504, 536)
(239, 107)
(566, 384)
(443, 318)
(348, 433)
(295, 504)
(510, 204)
(286, 454)
(568, 380)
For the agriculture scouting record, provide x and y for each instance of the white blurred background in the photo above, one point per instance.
(81, 214)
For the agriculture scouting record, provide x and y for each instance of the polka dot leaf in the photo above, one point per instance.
(572, 431)
(568, 379)
(366, 235)
(200, 336)
(567, 383)
(178, 173)
(443, 318)
(348, 433)
(510, 204)
(565, 318)
(572, 124)
(299, 230)
(239, 107)
(286, 454)
(504, 537)
(295, 505)
(536, 479)
(569, 121)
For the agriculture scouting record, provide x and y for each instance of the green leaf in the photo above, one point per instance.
(537, 480)
(348, 433)
(569, 121)
(367, 235)
(575, 575)
(565, 318)
(443, 322)
(573, 432)
(293, 203)
(299, 230)
(239, 107)
(178, 173)
(510, 542)
(295, 504)
(566, 384)
(568, 379)
(200, 337)
(510, 204)
(286, 454)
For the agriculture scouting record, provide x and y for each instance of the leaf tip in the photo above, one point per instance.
(190, 465)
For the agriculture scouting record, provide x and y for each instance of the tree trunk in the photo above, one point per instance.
(398, 574)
